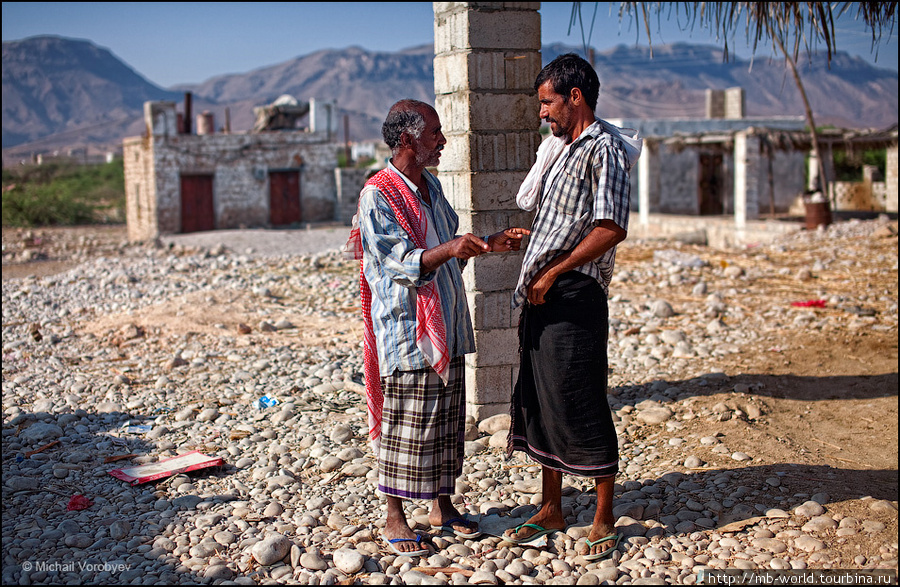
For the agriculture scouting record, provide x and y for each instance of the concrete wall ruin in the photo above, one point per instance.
(240, 165)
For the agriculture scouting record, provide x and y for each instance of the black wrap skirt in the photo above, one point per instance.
(560, 414)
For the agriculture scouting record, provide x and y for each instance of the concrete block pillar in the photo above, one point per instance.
(890, 179)
(160, 119)
(486, 58)
(748, 177)
(648, 180)
(734, 103)
(715, 103)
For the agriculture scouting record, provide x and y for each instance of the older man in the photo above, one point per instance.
(580, 188)
(417, 325)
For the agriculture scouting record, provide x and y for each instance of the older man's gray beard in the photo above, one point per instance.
(428, 159)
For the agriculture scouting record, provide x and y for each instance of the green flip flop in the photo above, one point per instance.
(605, 553)
(541, 531)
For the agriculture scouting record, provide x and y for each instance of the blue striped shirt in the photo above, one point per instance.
(392, 267)
(592, 185)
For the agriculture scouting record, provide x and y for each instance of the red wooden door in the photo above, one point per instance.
(284, 197)
(197, 212)
(710, 189)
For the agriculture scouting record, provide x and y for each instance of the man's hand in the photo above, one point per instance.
(462, 247)
(507, 240)
(541, 283)
(467, 246)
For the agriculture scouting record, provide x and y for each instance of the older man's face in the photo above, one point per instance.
(428, 147)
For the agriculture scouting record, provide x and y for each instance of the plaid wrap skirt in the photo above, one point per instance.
(422, 433)
(560, 414)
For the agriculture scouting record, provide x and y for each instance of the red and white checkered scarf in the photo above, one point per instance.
(431, 334)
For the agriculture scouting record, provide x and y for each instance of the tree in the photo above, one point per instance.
(790, 26)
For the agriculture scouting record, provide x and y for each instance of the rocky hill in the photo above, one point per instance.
(60, 93)
(69, 89)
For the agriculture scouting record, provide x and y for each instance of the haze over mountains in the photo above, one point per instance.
(60, 93)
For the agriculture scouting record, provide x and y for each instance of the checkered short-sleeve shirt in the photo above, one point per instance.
(593, 185)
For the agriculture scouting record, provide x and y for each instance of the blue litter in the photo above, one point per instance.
(265, 402)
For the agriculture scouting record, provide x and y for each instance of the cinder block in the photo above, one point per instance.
(450, 72)
(495, 347)
(490, 151)
(488, 385)
(453, 110)
(504, 29)
(522, 70)
(490, 310)
(501, 112)
(457, 189)
(510, 151)
(492, 112)
(457, 153)
(488, 223)
(451, 30)
(493, 272)
(500, 70)
(482, 191)
(468, 70)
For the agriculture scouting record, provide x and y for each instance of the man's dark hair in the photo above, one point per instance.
(571, 71)
(406, 116)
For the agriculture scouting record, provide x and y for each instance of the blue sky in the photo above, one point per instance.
(186, 42)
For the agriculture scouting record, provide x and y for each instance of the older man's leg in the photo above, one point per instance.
(397, 526)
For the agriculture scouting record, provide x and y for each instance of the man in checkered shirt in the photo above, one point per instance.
(560, 414)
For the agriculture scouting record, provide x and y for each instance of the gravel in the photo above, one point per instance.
(295, 501)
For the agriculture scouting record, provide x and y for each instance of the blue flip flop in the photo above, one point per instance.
(541, 531)
(418, 540)
(605, 553)
(448, 527)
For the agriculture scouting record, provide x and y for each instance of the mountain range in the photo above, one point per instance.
(61, 93)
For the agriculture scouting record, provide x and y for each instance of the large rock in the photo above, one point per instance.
(348, 560)
(271, 549)
(662, 309)
(494, 424)
(627, 526)
(629, 509)
(41, 432)
(655, 415)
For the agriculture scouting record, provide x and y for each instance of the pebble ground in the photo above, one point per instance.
(295, 502)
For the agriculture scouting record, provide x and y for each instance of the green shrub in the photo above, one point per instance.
(63, 194)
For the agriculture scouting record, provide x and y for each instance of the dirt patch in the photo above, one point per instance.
(829, 402)
(229, 314)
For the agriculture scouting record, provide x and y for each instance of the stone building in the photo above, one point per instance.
(179, 182)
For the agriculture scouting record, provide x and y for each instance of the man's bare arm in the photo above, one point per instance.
(601, 239)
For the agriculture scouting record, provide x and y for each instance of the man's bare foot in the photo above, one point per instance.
(442, 511)
(602, 530)
(400, 529)
(546, 521)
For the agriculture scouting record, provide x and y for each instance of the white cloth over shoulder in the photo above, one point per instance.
(549, 151)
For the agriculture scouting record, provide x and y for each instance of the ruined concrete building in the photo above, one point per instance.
(276, 175)
(728, 165)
